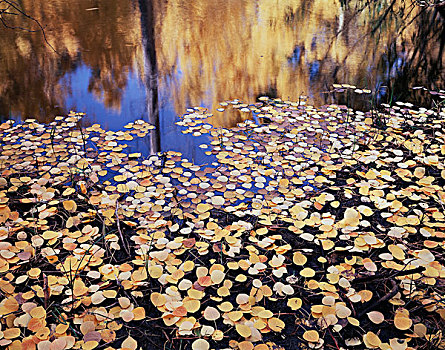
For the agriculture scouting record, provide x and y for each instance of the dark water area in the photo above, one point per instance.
(119, 61)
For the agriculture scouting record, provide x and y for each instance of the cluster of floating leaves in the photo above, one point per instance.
(313, 226)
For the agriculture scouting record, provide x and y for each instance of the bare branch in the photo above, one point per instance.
(13, 6)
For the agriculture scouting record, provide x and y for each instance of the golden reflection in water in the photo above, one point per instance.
(209, 51)
(107, 39)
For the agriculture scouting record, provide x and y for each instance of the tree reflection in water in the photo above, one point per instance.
(155, 56)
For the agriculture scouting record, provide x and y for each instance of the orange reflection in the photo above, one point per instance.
(210, 51)
(102, 38)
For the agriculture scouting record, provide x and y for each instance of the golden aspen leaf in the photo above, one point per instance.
(202, 207)
(335, 204)
(49, 235)
(225, 306)
(235, 315)
(299, 259)
(11, 333)
(294, 303)
(155, 271)
(205, 281)
(426, 255)
(371, 340)
(267, 291)
(87, 327)
(200, 344)
(79, 288)
(312, 284)
(11, 305)
(327, 244)
(42, 333)
(202, 271)
(217, 276)
(211, 314)
(129, 343)
(402, 323)
(139, 313)
(245, 345)
(311, 336)
(242, 298)
(89, 345)
(34, 272)
(97, 298)
(191, 305)
(241, 278)
(369, 265)
(36, 323)
(243, 330)
(420, 329)
(126, 315)
(218, 200)
(353, 321)
(38, 312)
(275, 324)
(396, 252)
(261, 347)
(265, 314)
(62, 328)
(58, 344)
(195, 294)
(109, 293)
(363, 209)
(180, 311)
(218, 267)
(260, 324)
(342, 311)
(68, 191)
(188, 266)
(70, 206)
(108, 335)
(124, 302)
(307, 272)
(370, 175)
(376, 317)
(366, 295)
(262, 231)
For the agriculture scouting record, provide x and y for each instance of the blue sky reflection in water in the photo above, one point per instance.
(132, 107)
(80, 98)
(121, 61)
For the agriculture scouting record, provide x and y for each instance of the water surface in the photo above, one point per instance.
(122, 60)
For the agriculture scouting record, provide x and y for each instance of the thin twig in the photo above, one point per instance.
(21, 12)
(124, 243)
(387, 296)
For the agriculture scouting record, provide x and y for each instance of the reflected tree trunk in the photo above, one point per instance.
(150, 69)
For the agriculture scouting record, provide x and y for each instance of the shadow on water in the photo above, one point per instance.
(150, 67)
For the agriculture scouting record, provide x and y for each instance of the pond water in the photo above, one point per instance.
(123, 60)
